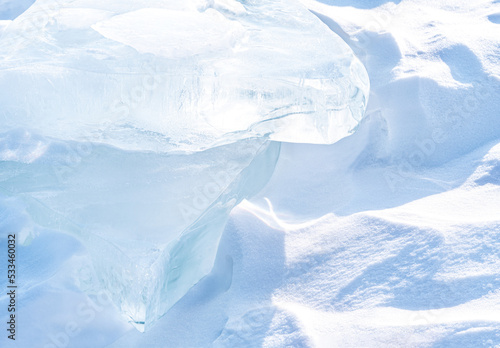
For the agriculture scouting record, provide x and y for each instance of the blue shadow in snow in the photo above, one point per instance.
(408, 279)
(363, 4)
(487, 337)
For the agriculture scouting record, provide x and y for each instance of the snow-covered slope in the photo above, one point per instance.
(388, 238)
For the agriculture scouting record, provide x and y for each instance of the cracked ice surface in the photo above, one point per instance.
(138, 125)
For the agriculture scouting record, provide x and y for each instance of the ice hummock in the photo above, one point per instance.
(138, 125)
(178, 75)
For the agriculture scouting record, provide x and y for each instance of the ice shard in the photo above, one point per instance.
(138, 125)
(151, 221)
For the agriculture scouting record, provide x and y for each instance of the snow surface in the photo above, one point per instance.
(388, 238)
(11, 9)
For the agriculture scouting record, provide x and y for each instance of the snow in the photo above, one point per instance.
(388, 238)
(10, 9)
